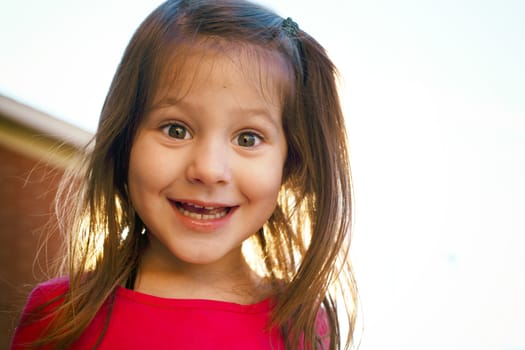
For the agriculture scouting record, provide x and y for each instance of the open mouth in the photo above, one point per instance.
(198, 212)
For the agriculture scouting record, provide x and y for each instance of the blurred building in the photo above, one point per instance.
(35, 149)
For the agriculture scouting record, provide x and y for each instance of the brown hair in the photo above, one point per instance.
(305, 242)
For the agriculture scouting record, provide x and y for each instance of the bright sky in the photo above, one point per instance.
(434, 95)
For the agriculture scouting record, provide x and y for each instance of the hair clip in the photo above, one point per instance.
(290, 27)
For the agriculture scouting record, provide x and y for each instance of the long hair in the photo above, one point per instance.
(304, 245)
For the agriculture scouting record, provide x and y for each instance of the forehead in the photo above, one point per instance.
(262, 70)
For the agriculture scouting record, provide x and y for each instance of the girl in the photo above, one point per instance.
(222, 126)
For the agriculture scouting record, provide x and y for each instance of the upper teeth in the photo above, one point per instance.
(214, 212)
(199, 206)
(203, 216)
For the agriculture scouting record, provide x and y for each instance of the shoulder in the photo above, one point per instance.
(45, 296)
(37, 313)
(46, 292)
(52, 287)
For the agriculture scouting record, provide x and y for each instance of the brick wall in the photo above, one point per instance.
(27, 189)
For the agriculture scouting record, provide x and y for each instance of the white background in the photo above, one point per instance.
(434, 96)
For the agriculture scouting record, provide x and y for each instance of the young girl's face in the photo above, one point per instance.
(206, 164)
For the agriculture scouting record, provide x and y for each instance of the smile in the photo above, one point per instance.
(198, 212)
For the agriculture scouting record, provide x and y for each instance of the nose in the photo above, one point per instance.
(209, 163)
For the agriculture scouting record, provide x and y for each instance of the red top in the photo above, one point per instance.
(141, 321)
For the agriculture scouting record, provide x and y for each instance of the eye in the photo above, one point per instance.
(177, 131)
(248, 139)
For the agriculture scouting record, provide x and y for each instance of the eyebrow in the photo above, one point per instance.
(171, 101)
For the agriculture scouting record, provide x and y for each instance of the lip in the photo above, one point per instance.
(202, 225)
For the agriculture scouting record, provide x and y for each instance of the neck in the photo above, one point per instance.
(230, 279)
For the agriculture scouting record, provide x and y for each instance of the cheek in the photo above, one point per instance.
(147, 171)
(263, 182)
(150, 163)
(137, 179)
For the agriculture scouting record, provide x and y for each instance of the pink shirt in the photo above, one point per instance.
(141, 321)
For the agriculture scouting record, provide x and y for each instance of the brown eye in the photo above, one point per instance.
(176, 131)
(248, 139)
